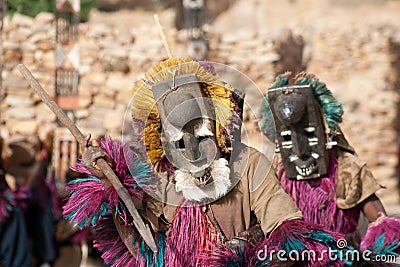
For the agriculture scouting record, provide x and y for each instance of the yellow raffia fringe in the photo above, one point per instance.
(144, 106)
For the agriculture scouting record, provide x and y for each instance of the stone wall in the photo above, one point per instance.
(111, 60)
(108, 68)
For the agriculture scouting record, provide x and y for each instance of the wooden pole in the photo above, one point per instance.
(162, 34)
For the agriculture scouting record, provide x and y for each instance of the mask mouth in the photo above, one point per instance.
(305, 168)
(306, 171)
(203, 177)
(214, 183)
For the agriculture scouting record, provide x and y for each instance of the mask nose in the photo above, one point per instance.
(199, 152)
(301, 147)
(192, 152)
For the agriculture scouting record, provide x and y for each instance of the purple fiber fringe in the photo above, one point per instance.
(9, 199)
(125, 166)
(91, 194)
(87, 199)
(6, 199)
(115, 253)
(187, 237)
(208, 66)
(109, 243)
(389, 226)
(222, 255)
(312, 194)
(21, 196)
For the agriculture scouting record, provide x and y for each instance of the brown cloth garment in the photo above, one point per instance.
(258, 191)
(355, 181)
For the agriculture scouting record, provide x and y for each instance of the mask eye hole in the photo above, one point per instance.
(180, 144)
(287, 136)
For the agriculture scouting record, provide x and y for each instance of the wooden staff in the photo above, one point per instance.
(123, 193)
(162, 35)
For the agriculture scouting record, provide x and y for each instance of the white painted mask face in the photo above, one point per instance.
(188, 139)
(192, 148)
(201, 172)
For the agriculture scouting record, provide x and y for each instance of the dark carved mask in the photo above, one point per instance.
(188, 123)
(300, 131)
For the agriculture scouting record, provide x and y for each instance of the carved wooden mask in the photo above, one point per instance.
(188, 123)
(300, 131)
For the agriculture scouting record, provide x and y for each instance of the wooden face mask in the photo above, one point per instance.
(300, 133)
(188, 123)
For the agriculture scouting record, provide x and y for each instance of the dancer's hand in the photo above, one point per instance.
(91, 152)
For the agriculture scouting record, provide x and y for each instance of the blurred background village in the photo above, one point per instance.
(88, 54)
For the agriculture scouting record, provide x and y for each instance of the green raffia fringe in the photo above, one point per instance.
(331, 108)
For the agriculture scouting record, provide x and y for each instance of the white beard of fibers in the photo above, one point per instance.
(220, 185)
